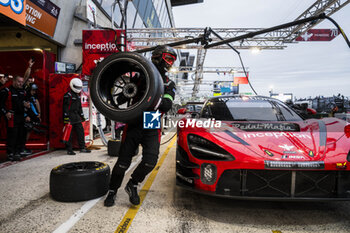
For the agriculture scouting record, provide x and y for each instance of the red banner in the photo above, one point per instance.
(318, 35)
(240, 80)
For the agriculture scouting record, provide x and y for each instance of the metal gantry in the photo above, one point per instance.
(143, 37)
(328, 7)
(146, 37)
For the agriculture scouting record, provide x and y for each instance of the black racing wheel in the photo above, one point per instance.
(124, 85)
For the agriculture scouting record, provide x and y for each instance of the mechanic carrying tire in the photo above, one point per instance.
(163, 57)
(124, 85)
(73, 114)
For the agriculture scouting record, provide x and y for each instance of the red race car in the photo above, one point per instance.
(255, 147)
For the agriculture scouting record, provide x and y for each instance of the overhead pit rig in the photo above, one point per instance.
(143, 38)
(146, 40)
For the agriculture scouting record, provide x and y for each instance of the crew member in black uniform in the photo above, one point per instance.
(13, 105)
(34, 112)
(3, 80)
(3, 92)
(163, 57)
(73, 114)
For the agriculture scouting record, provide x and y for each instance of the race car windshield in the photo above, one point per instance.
(252, 110)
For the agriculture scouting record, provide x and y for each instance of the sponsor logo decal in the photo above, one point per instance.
(311, 153)
(287, 127)
(289, 152)
(292, 157)
(17, 6)
(294, 165)
(101, 47)
(275, 135)
(286, 147)
(268, 153)
(188, 180)
(341, 165)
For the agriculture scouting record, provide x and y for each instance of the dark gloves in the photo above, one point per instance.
(168, 97)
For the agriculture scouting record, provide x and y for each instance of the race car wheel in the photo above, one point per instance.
(124, 85)
(79, 181)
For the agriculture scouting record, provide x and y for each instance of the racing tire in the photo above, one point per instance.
(124, 85)
(79, 181)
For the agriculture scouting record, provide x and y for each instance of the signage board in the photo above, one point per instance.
(318, 35)
(97, 45)
(42, 15)
(64, 68)
(14, 10)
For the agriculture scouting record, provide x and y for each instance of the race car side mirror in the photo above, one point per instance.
(311, 111)
(181, 111)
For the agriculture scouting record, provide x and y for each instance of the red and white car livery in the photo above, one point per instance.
(257, 147)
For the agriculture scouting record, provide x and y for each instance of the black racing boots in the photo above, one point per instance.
(131, 190)
(110, 199)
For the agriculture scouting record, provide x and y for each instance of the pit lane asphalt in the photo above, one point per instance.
(26, 205)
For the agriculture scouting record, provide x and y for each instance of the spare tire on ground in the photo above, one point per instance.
(124, 85)
(79, 181)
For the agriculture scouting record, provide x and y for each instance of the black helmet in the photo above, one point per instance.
(164, 56)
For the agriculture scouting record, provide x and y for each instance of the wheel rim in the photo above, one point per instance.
(123, 84)
(81, 166)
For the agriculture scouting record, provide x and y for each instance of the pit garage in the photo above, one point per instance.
(230, 159)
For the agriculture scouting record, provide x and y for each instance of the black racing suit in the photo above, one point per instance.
(12, 100)
(72, 109)
(133, 135)
(3, 93)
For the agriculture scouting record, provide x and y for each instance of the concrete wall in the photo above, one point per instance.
(65, 19)
(70, 29)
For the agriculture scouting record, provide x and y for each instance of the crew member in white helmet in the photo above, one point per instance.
(73, 114)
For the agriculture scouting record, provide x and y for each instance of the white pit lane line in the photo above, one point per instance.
(66, 226)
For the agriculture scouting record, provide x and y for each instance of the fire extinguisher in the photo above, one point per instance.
(67, 129)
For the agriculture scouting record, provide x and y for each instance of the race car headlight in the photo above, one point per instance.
(202, 148)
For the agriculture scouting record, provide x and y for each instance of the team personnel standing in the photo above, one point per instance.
(27, 78)
(34, 112)
(3, 92)
(3, 80)
(73, 114)
(13, 105)
(163, 57)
